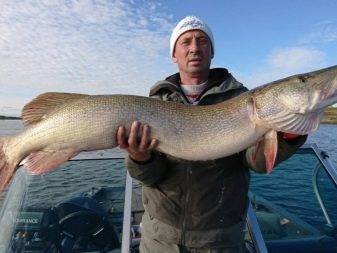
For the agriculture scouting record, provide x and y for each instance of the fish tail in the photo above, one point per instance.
(7, 166)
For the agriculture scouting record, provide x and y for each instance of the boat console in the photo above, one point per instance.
(79, 224)
(35, 229)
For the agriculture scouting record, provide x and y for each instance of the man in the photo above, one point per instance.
(194, 206)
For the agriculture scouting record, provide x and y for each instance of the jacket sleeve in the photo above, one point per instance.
(148, 173)
(285, 150)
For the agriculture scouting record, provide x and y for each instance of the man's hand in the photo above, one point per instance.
(138, 145)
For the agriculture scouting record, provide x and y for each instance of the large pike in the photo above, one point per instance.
(60, 125)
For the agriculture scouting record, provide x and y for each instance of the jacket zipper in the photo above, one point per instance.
(187, 198)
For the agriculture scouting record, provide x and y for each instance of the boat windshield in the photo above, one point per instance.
(295, 205)
(76, 208)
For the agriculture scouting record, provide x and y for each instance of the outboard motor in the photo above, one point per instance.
(84, 226)
(36, 230)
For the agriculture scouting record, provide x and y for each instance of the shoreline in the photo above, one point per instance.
(9, 118)
(330, 116)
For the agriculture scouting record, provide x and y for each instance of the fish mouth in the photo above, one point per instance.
(322, 85)
(328, 96)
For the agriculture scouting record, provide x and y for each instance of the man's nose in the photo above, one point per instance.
(194, 46)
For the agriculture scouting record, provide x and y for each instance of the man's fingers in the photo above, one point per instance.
(121, 139)
(134, 147)
(133, 137)
(140, 133)
(145, 138)
(154, 143)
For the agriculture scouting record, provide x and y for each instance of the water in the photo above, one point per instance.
(10, 127)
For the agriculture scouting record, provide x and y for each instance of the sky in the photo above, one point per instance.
(110, 47)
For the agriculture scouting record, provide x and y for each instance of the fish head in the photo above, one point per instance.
(294, 104)
(309, 92)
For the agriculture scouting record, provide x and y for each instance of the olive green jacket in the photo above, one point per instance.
(199, 204)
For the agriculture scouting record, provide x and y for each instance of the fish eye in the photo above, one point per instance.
(302, 78)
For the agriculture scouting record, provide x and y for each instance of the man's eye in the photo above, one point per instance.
(203, 41)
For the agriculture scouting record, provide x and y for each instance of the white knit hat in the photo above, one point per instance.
(186, 24)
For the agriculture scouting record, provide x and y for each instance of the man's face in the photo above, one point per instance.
(193, 52)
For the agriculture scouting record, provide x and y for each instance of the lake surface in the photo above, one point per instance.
(292, 188)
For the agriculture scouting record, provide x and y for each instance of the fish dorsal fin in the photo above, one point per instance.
(34, 111)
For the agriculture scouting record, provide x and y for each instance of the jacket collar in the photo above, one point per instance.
(172, 83)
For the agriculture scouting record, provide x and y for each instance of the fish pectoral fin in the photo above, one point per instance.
(296, 123)
(270, 149)
(45, 103)
(265, 152)
(46, 160)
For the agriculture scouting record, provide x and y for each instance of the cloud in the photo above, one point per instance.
(295, 59)
(83, 46)
(323, 32)
(285, 62)
(302, 56)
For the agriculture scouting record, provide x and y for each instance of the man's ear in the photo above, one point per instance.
(174, 59)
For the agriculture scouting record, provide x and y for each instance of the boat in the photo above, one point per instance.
(291, 210)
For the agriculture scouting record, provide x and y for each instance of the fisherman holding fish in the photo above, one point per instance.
(194, 163)
(196, 206)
